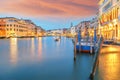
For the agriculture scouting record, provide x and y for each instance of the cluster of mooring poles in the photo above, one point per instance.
(97, 44)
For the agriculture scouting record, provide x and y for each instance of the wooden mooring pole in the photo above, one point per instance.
(75, 51)
(96, 58)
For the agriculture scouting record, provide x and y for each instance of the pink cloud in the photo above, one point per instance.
(49, 7)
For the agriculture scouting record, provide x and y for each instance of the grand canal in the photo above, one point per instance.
(45, 59)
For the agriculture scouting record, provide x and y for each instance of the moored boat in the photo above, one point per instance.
(85, 47)
(56, 38)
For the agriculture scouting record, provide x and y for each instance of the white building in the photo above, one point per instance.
(73, 30)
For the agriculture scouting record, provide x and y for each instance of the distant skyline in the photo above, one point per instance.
(50, 14)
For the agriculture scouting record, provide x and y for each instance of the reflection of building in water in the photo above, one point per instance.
(110, 66)
(109, 63)
(58, 43)
(32, 47)
(13, 50)
(64, 40)
(39, 47)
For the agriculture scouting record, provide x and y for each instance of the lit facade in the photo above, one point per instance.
(13, 27)
(84, 25)
(56, 32)
(31, 28)
(93, 26)
(73, 30)
(39, 31)
(109, 19)
(2, 28)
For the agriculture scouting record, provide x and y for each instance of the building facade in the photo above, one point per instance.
(84, 25)
(109, 19)
(13, 27)
(2, 28)
(40, 31)
(93, 26)
(73, 30)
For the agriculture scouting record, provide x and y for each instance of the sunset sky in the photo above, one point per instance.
(50, 14)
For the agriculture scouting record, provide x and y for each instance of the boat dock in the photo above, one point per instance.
(89, 46)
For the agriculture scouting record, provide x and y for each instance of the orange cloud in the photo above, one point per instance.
(49, 7)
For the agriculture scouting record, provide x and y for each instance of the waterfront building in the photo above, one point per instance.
(39, 31)
(84, 25)
(73, 30)
(93, 25)
(13, 27)
(65, 31)
(55, 32)
(2, 28)
(109, 19)
(32, 29)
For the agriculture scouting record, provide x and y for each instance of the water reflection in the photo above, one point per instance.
(36, 58)
(39, 47)
(58, 43)
(109, 67)
(13, 50)
(111, 49)
(82, 66)
(33, 47)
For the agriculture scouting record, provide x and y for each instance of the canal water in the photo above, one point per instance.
(46, 59)
(109, 64)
